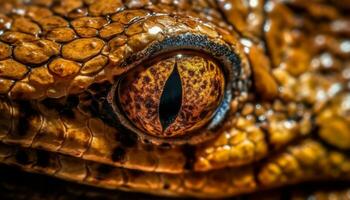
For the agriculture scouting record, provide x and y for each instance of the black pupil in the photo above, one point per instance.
(171, 99)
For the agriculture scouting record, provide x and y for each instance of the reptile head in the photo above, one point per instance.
(206, 98)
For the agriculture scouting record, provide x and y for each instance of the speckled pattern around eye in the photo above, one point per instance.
(202, 83)
(288, 120)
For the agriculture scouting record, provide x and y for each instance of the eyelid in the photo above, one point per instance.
(223, 53)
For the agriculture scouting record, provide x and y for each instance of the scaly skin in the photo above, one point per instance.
(290, 124)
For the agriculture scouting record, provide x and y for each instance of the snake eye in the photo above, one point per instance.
(177, 91)
(172, 96)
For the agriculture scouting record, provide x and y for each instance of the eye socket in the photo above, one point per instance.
(173, 95)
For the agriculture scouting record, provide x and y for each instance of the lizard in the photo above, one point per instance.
(201, 98)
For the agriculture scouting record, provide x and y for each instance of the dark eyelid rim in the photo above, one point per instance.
(226, 56)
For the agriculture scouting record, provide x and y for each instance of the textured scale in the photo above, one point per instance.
(58, 60)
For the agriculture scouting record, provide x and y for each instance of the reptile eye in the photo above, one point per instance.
(178, 91)
(173, 95)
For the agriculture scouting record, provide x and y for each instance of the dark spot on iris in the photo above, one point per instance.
(138, 106)
(216, 85)
(153, 71)
(185, 115)
(146, 80)
(118, 154)
(152, 91)
(211, 67)
(171, 99)
(149, 103)
(182, 115)
(138, 99)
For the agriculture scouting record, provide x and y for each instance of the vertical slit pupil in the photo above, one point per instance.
(171, 99)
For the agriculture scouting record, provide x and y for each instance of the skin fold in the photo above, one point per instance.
(288, 121)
